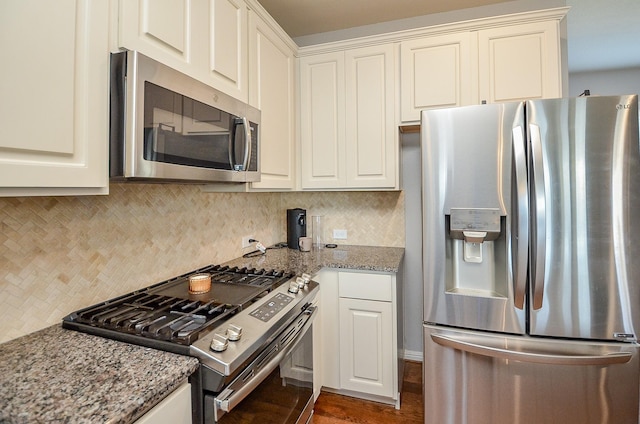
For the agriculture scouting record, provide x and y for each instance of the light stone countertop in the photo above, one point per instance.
(64, 376)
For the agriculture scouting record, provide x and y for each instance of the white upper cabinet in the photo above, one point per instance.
(322, 121)
(348, 119)
(159, 29)
(371, 129)
(205, 39)
(436, 71)
(272, 90)
(54, 115)
(519, 62)
(228, 67)
(491, 60)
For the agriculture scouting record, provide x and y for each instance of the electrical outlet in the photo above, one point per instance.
(245, 241)
(340, 234)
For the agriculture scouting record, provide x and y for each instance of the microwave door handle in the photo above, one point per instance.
(232, 143)
(247, 143)
(539, 209)
(522, 205)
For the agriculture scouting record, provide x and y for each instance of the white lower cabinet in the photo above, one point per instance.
(366, 351)
(174, 409)
(328, 356)
(360, 335)
(317, 350)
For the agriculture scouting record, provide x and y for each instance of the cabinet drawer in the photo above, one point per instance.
(365, 286)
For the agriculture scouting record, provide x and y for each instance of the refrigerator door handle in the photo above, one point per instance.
(539, 246)
(522, 207)
(534, 357)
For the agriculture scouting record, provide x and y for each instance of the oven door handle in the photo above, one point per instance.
(228, 401)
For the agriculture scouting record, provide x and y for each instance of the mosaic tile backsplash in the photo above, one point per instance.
(59, 254)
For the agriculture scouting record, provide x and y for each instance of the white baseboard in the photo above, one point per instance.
(413, 355)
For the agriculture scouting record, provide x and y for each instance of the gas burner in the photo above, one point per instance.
(247, 276)
(157, 317)
(168, 312)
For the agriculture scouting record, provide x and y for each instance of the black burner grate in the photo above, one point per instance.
(168, 312)
(157, 317)
(165, 315)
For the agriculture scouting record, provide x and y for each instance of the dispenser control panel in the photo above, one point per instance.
(484, 220)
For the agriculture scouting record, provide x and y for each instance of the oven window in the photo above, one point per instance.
(183, 131)
(286, 396)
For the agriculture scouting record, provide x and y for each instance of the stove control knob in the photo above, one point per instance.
(293, 287)
(234, 332)
(301, 283)
(306, 277)
(219, 343)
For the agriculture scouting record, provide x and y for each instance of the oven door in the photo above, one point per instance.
(277, 387)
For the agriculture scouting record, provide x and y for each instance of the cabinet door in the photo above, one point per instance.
(322, 121)
(366, 346)
(371, 133)
(158, 29)
(436, 72)
(204, 39)
(54, 114)
(228, 47)
(520, 62)
(272, 85)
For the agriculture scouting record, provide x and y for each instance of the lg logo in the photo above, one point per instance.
(622, 107)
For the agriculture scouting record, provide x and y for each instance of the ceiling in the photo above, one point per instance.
(305, 17)
(601, 34)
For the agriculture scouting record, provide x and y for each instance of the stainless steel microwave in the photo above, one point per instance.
(168, 127)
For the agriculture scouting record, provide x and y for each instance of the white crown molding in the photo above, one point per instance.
(557, 14)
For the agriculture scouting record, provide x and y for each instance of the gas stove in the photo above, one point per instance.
(238, 329)
(167, 316)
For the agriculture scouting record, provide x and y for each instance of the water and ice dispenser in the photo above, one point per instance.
(476, 246)
(474, 227)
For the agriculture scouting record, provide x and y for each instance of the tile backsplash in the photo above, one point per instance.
(59, 254)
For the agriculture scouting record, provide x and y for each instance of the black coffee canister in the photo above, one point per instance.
(296, 226)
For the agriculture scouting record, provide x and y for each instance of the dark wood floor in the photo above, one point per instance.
(336, 409)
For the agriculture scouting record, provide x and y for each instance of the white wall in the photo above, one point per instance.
(606, 82)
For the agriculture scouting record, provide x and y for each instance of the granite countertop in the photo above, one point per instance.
(59, 375)
(363, 258)
(64, 376)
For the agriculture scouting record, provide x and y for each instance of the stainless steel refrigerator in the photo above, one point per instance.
(531, 257)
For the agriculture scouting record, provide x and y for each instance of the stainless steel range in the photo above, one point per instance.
(249, 329)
